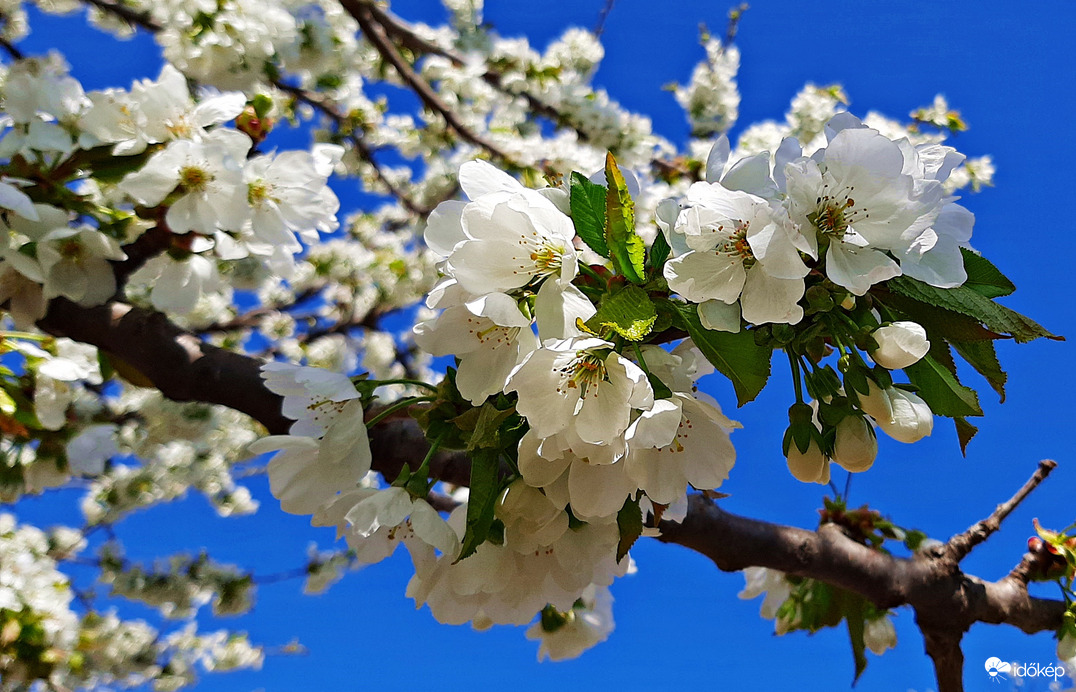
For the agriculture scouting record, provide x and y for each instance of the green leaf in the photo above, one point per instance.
(736, 356)
(626, 248)
(111, 169)
(7, 404)
(967, 301)
(630, 522)
(982, 356)
(487, 427)
(854, 609)
(939, 387)
(629, 312)
(587, 201)
(983, 277)
(485, 487)
(964, 432)
(659, 252)
(939, 323)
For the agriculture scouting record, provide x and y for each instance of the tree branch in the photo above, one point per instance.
(377, 36)
(186, 369)
(960, 545)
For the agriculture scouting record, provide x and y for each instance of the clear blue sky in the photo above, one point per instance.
(1010, 72)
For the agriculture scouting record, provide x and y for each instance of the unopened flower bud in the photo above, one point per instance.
(880, 635)
(901, 414)
(810, 466)
(1066, 648)
(856, 445)
(899, 345)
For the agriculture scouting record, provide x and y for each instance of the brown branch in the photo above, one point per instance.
(11, 50)
(961, 544)
(943, 647)
(599, 27)
(376, 34)
(348, 130)
(184, 368)
(406, 37)
(132, 17)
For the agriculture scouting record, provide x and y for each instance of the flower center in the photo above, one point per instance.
(547, 260)
(71, 249)
(586, 370)
(834, 213)
(194, 178)
(737, 244)
(258, 193)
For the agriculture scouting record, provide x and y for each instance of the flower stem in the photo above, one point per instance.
(414, 383)
(393, 408)
(796, 384)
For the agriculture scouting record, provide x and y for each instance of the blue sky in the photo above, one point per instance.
(679, 622)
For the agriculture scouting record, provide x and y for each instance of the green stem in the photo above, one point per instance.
(415, 383)
(25, 335)
(402, 403)
(639, 355)
(796, 384)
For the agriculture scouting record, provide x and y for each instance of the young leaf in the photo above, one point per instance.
(587, 201)
(983, 277)
(630, 522)
(659, 252)
(626, 248)
(486, 432)
(736, 356)
(485, 487)
(628, 312)
(966, 301)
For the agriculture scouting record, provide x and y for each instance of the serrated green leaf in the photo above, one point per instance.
(736, 356)
(587, 201)
(964, 432)
(485, 487)
(982, 356)
(935, 377)
(626, 248)
(630, 522)
(659, 252)
(966, 301)
(629, 312)
(939, 323)
(983, 277)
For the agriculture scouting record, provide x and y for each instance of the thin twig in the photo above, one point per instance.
(14, 52)
(348, 130)
(132, 17)
(735, 15)
(376, 34)
(961, 544)
(599, 28)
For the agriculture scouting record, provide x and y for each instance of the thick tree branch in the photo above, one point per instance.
(946, 601)
(960, 545)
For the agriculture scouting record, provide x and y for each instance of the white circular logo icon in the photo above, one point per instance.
(995, 666)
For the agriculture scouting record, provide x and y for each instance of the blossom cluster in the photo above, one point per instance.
(187, 175)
